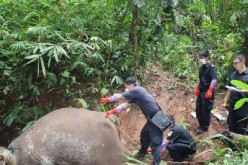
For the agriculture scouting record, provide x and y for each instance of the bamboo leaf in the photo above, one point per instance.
(43, 66)
(117, 79)
(31, 61)
(35, 49)
(35, 56)
(62, 51)
(31, 15)
(47, 49)
(87, 47)
(203, 152)
(55, 54)
(38, 68)
(50, 57)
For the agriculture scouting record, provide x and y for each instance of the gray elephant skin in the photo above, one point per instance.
(68, 136)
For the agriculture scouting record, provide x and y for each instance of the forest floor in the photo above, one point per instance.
(176, 99)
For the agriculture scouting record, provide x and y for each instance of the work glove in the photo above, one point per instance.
(105, 100)
(197, 90)
(110, 112)
(209, 93)
(163, 146)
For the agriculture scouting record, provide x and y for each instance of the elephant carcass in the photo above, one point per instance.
(67, 136)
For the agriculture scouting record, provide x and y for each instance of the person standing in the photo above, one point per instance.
(237, 120)
(150, 135)
(205, 91)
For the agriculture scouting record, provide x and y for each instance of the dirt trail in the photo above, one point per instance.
(176, 99)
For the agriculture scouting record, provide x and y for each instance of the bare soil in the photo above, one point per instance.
(177, 99)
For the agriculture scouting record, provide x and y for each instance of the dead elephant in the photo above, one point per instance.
(67, 136)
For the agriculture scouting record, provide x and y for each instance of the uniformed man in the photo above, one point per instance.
(237, 120)
(180, 143)
(150, 135)
(205, 91)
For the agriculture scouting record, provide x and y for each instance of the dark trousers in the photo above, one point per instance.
(179, 152)
(203, 109)
(237, 120)
(152, 136)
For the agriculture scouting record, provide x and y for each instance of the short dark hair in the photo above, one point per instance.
(204, 53)
(171, 118)
(131, 80)
(241, 57)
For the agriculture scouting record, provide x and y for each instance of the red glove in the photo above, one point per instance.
(197, 90)
(209, 93)
(112, 111)
(105, 100)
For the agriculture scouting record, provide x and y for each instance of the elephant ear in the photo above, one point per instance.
(239, 84)
(240, 103)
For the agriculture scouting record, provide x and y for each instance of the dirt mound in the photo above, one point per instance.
(176, 99)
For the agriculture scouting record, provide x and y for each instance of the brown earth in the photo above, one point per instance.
(176, 99)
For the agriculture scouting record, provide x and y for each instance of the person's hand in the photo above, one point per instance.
(105, 100)
(209, 93)
(224, 106)
(110, 112)
(244, 91)
(197, 90)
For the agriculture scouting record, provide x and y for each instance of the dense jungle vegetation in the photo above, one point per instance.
(55, 53)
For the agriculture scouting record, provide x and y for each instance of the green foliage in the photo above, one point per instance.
(218, 150)
(133, 160)
(22, 115)
(81, 102)
(118, 80)
(184, 124)
(242, 86)
(238, 158)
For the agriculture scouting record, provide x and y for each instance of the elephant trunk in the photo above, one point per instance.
(116, 121)
(7, 157)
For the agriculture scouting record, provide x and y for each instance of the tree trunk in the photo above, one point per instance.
(133, 40)
(245, 47)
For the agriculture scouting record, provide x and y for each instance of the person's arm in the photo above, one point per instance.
(172, 136)
(226, 99)
(114, 98)
(117, 109)
(213, 83)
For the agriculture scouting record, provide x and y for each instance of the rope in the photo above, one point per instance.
(102, 106)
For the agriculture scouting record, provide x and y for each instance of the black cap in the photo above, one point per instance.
(130, 80)
(204, 53)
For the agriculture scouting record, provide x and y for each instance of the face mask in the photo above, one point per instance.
(203, 61)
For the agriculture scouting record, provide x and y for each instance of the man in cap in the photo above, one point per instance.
(205, 91)
(150, 135)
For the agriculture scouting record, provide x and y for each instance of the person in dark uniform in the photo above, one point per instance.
(237, 120)
(205, 91)
(150, 135)
(180, 144)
